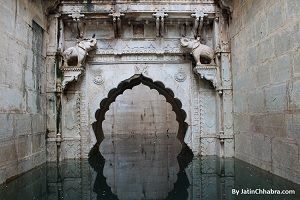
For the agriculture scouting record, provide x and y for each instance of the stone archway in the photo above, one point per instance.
(129, 84)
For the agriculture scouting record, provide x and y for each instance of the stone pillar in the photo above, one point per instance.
(51, 89)
(226, 131)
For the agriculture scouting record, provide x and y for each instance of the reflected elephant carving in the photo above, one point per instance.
(75, 56)
(199, 51)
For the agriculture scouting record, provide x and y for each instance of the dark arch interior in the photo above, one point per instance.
(129, 84)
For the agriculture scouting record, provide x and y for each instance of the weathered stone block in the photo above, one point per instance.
(13, 100)
(256, 101)
(24, 143)
(263, 75)
(285, 154)
(51, 151)
(241, 123)
(229, 147)
(294, 95)
(38, 123)
(7, 23)
(24, 164)
(38, 142)
(257, 123)
(296, 59)
(243, 146)
(8, 151)
(265, 49)
(261, 148)
(276, 99)
(250, 39)
(39, 158)
(6, 125)
(22, 124)
(241, 102)
(30, 80)
(293, 125)
(275, 16)
(274, 124)
(251, 58)
(260, 25)
(284, 40)
(293, 7)
(21, 30)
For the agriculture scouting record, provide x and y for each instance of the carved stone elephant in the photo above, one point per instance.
(199, 51)
(75, 56)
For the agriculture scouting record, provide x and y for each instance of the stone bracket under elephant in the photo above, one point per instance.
(71, 74)
(208, 72)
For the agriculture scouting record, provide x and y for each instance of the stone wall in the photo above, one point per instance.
(22, 102)
(266, 81)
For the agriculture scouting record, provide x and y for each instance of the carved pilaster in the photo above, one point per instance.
(116, 17)
(160, 23)
(198, 24)
(76, 16)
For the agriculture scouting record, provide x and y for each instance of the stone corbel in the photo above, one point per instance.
(70, 74)
(208, 72)
(116, 16)
(198, 24)
(160, 23)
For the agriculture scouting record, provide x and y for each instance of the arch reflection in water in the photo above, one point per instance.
(103, 190)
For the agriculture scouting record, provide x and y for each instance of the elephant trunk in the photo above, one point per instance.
(93, 42)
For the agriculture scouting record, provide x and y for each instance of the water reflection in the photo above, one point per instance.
(103, 190)
(143, 166)
(97, 162)
(206, 178)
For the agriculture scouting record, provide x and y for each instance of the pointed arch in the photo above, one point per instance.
(129, 84)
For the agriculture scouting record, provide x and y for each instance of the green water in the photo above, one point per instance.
(142, 169)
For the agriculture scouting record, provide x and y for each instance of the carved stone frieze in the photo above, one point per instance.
(144, 6)
(138, 58)
(123, 46)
